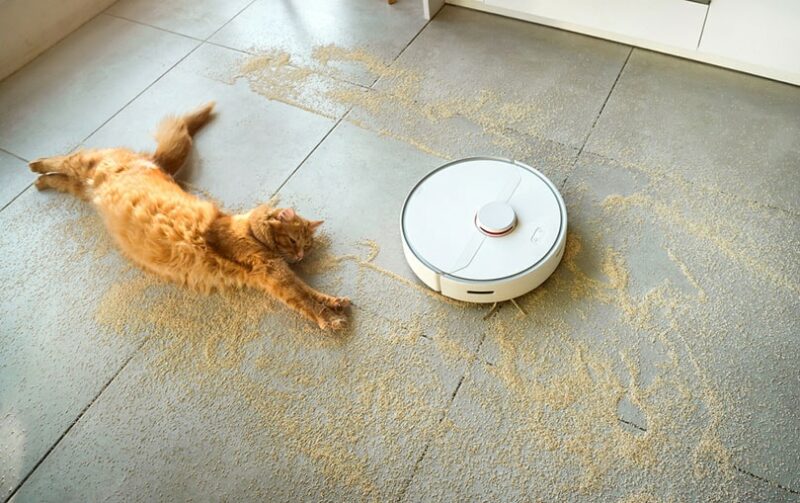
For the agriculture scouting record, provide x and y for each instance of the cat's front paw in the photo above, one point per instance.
(338, 303)
(332, 321)
(42, 183)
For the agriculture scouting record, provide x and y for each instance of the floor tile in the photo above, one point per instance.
(197, 18)
(55, 264)
(14, 177)
(243, 155)
(300, 28)
(547, 85)
(58, 99)
(657, 361)
(728, 131)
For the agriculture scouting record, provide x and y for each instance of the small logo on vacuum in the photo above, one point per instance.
(537, 234)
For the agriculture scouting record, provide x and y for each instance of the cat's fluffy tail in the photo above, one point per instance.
(174, 137)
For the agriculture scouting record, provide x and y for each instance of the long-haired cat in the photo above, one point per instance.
(183, 238)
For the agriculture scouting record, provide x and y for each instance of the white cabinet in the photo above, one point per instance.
(756, 36)
(675, 23)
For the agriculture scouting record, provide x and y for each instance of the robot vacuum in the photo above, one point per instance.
(484, 229)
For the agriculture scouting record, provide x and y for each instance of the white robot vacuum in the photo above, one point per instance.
(484, 229)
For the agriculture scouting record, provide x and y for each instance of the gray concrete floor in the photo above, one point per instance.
(659, 363)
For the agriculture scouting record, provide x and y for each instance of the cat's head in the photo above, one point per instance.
(289, 234)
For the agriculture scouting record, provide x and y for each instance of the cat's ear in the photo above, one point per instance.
(287, 214)
(314, 224)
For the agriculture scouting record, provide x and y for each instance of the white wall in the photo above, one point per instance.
(29, 27)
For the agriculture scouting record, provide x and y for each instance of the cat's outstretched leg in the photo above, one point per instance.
(174, 137)
(77, 165)
(66, 173)
(338, 303)
(61, 182)
(279, 281)
(47, 164)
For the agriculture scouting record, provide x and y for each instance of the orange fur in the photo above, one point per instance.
(183, 238)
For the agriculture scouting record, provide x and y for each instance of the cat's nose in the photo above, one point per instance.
(300, 255)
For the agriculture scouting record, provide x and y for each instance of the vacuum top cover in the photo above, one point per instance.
(482, 219)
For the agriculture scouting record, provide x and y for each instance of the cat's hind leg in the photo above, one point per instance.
(63, 183)
(47, 164)
(174, 137)
(77, 165)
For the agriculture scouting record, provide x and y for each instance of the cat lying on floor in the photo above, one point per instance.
(183, 238)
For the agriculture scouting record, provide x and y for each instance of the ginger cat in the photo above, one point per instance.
(186, 239)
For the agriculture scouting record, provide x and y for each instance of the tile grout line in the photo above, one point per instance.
(787, 211)
(737, 468)
(242, 51)
(74, 422)
(766, 480)
(406, 47)
(605, 102)
(235, 49)
(631, 424)
(223, 46)
(344, 116)
(295, 170)
(12, 154)
(16, 197)
(200, 44)
(444, 415)
(597, 117)
(313, 70)
(417, 464)
(98, 128)
(142, 23)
